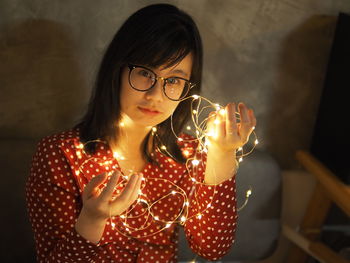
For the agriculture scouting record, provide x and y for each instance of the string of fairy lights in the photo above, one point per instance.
(200, 129)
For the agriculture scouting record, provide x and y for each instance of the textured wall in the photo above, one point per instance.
(271, 54)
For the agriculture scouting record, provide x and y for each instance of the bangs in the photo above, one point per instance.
(164, 45)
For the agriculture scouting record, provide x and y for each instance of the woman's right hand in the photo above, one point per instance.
(98, 205)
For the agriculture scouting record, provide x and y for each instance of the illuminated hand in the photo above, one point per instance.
(224, 133)
(99, 204)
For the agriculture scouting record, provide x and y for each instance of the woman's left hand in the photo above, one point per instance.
(225, 134)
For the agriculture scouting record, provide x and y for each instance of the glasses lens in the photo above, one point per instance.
(142, 78)
(176, 88)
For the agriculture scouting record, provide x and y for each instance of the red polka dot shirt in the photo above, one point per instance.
(149, 232)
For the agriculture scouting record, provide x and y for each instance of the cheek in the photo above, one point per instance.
(172, 107)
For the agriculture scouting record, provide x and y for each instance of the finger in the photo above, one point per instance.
(252, 117)
(125, 195)
(231, 122)
(210, 129)
(90, 188)
(244, 113)
(220, 122)
(107, 192)
(245, 127)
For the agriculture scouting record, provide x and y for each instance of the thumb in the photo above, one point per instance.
(90, 188)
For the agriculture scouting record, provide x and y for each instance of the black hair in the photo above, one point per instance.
(155, 35)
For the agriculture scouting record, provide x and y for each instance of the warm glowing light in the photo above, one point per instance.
(168, 225)
(187, 203)
(249, 192)
(183, 219)
(77, 172)
(188, 128)
(154, 129)
(256, 142)
(173, 192)
(209, 205)
(156, 218)
(217, 106)
(186, 153)
(195, 97)
(194, 112)
(163, 147)
(240, 159)
(180, 139)
(121, 124)
(193, 179)
(195, 162)
(222, 112)
(216, 121)
(199, 216)
(240, 149)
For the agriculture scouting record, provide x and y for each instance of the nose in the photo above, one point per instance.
(156, 93)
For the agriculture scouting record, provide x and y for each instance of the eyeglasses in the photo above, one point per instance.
(144, 79)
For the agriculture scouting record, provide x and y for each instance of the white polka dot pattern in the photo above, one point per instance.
(53, 193)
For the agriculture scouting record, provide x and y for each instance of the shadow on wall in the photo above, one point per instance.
(42, 88)
(42, 91)
(301, 72)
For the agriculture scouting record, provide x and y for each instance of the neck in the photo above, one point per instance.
(130, 139)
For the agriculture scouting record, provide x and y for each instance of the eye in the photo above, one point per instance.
(173, 81)
(145, 73)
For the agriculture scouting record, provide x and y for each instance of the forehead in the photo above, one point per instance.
(184, 66)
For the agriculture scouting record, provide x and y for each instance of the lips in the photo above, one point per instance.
(147, 111)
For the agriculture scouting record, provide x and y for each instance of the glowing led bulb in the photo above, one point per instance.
(168, 225)
(195, 162)
(249, 192)
(240, 149)
(187, 203)
(194, 112)
(156, 218)
(199, 216)
(77, 172)
(154, 129)
(180, 139)
(186, 153)
(173, 192)
(113, 224)
(122, 216)
(217, 106)
(216, 121)
(240, 159)
(222, 112)
(193, 179)
(188, 127)
(163, 147)
(256, 142)
(121, 124)
(80, 146)
(209, 205)
(183, 219)
(195, 97)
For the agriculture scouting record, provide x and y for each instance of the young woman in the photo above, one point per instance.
(116, 187)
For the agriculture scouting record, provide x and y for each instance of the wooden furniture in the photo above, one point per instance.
(328, 189)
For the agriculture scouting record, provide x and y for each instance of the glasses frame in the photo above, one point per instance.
(133, 66)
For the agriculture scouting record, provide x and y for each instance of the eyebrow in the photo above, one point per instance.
(179, 71)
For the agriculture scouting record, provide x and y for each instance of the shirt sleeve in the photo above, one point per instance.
(53, 204)
(211, 222)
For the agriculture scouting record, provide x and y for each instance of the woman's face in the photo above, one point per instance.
(151, 107)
